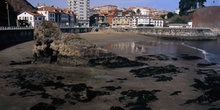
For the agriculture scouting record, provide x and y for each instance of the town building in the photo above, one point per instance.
(106, 8)
(143, 20)
(158, 21)
(123, 18)
(81, 8)
(143, 10)
(64, 17)
(31, 17)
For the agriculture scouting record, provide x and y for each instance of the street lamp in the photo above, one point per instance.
(8, 14)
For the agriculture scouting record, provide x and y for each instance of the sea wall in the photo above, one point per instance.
(12, 36)
(174, 33)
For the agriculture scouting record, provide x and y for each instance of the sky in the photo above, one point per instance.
(169, 5)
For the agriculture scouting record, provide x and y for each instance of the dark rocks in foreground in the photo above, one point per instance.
(205, 64)
(176, 93)
(210, 88)
(189, 57)
(138, 98)
(155, 70)
(115, 62)
(43, 106)
(152, 57)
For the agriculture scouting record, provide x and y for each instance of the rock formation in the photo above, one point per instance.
(51, 45)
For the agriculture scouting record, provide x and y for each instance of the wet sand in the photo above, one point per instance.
(11, 96)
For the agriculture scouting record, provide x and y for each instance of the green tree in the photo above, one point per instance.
(179, 20)
(169, 15)
(186, 5)
(138, 11)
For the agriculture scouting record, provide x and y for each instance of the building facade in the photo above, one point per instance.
(64, 17)
(31, 17)
(142, 20)
(143, 10)
(123, 18)
(81, 8)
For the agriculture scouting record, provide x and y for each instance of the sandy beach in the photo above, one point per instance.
(111, 85)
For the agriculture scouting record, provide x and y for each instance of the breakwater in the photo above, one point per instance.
(174, 33)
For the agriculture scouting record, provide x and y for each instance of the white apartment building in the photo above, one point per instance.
(158, 21)
(81, 8)
(144, 20)
(31, 17)
(63, 17)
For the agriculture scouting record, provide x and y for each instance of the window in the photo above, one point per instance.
(35, 18)
(30, 18)
(19, 18)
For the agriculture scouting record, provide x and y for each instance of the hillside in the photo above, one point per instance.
(202, 17)
(207, 17)
(15, 7)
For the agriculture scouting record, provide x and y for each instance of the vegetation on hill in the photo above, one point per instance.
(201, 17)
(187, 5)
(15, 7)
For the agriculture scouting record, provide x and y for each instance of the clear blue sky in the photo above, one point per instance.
(169, 5)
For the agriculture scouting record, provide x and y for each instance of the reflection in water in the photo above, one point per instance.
(135, 47)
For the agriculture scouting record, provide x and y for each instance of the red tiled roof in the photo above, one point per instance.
(35, 13)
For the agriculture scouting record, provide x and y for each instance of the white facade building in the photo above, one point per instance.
(143, 10)
(143, 20)
(81, 8)
(31, 17)
(63, 17)
(158, 21)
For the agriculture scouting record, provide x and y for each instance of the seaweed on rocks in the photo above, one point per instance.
(80, 92)
(111, 88)
(142, 97)
(115, 62)
(57, 101)
(20, 63)
(175, 93)
(43, 106)
(205, 64)
(116, 108)
(155, 70)
(163, 78)
(152, 57)
(210, 88)
(189, 57)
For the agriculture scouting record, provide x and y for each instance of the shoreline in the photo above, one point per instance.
(99, 78)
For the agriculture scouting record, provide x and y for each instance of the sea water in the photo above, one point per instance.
(210, 49)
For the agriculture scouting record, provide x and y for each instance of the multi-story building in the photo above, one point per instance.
(143, 20)
(106, 8)
(63, 17)
(31, 17)
(123, 18)
(158, 21)
(143, 10)
(81, 8)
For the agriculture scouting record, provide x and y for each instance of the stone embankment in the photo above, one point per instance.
(174, 33)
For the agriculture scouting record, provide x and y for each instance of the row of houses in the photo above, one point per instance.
(138, 10)
(63, 17)
(126, 18)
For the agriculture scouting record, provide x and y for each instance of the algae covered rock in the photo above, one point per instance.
(51, 45)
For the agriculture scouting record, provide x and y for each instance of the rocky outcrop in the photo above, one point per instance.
(51, 45)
